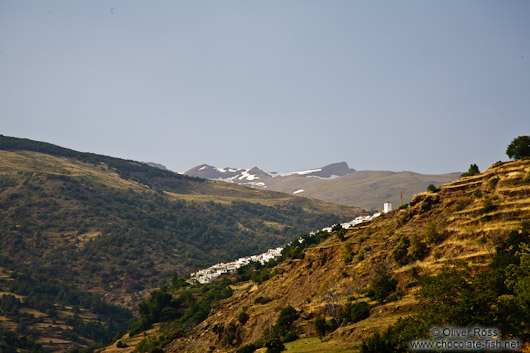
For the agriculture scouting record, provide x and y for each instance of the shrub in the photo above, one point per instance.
(487, 206)
(347, 255)
(432, 188)
(400, 252)
(417, 249)
(354, 312)
(332, 325)
(405, 218)
(337, 228)
(285, 320)
(320, 326)
(274, 346)
(493, 182)
(382, 284)
(415, 272)
(262, 300)
(297, 253)
(243, 317)
(148, 344)
(403, 207)
(248, 348)
(431, 235)
(473, 170)
(360, 255)
(290, 336)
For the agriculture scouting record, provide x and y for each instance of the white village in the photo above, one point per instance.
(213, 272)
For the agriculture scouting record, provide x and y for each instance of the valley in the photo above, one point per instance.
(362, 280)
(94, 246)
(115, 229)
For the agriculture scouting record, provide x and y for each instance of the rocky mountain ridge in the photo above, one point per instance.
(256, 177)
(336, 182)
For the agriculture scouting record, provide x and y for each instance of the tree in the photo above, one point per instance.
(332, 306)
(519, 148)
(243, 317)
(417, 248)
(432, 188)
(382, 284)
(473, 170)
(320, 326)
(286, 318)
(354, 312)
(274, 346)
(400, 252)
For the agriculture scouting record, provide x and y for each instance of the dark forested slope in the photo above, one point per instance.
(79, 229)
(116, 227)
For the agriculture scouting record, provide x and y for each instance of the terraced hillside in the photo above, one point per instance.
(382, 264)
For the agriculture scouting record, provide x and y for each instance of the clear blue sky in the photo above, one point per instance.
(428, 86)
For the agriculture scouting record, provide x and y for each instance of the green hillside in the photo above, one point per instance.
(117, 228)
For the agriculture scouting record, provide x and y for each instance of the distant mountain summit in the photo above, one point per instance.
(256, 177)
(157, 165)
(336, 182)
(332, 171)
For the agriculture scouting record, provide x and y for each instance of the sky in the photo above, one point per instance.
(424, 86)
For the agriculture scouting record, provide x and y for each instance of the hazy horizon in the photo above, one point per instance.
(429, 87)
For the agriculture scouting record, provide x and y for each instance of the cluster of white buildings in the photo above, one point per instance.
(387, 207)
(213, 272)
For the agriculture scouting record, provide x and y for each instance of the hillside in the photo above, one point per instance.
(117, 228)
(369, 275)
(336, 183)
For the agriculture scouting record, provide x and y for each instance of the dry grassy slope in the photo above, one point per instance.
(15, 163)
(459, 214)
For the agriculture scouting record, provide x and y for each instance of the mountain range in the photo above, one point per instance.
(455, 256)
(336, 182)
(81, 231)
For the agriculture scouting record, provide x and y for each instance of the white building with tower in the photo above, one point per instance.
(387, 207)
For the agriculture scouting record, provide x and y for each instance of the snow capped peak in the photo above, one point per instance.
(256, 177)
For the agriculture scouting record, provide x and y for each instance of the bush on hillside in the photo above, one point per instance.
(432, 188)
(400, 252)
(473, 170)
(382, 285)
(320, 326)
(243, 317)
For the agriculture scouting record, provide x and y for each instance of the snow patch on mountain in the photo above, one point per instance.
(301, 172)
(246, 175)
